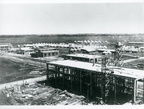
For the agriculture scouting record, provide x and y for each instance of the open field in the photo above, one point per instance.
(68, 38)
(136, 64)
(12, 71)
(14, 67)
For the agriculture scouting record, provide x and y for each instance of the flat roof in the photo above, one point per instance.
(4, 45)
(90, 49)
(123, 72)
(136, 42)
(26, 49)
(102, 49)
(46, 49)
(51, 51)
(84, 56)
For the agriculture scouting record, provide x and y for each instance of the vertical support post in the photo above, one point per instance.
(95, 79)
(80, 81)
(143, 90)
(47, 73)
(134, 86)
(123, 84)
(88, 87)
(115, 90)
(55, 75)
(74, 75)
(90, 84)
(43, 54)
(135, 90)
(63, 76)
(47, 55)
(58, 74)
(103, 86)
(71, 78)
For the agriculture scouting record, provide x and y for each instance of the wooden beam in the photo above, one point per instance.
(136, 87)
(95, 79)
(58, 72)
(143, 90)
(133, 91)
(63, 76)
(71, 78)
(90, 84)
(88, 91)
(55, 75)
(80, 81)
(43, 54)
(115, 90)
(47, 73)
(103, 86)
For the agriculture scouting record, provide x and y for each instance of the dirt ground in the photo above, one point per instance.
(14, 67)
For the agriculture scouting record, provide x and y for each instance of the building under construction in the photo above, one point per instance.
(107, 80)
(118, 85)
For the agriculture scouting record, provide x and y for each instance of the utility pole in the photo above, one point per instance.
(118, 54)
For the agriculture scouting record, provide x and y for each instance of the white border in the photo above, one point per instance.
(71, 1)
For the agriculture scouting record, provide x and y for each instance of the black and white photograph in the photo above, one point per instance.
(71, 53)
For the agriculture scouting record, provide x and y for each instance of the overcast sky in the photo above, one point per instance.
(71, 18)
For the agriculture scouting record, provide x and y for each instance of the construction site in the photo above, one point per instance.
(71, 53)
(107, 79)
(81, 77)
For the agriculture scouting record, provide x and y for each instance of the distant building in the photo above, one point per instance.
(5, 46)
(106, 50)
(84, 58)
(135, 43)
(45, 52)
(88, 50)
(13, 50)
(25, 51)
(141, 49)
(29, 45)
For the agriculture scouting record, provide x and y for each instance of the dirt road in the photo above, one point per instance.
(31, 80)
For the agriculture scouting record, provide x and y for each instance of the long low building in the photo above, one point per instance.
(88, 79)
(25, 51)
(84, 57)
(108, 50)
(5, 46)
(45, 52)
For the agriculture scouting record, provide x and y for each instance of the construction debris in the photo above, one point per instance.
(39, 94)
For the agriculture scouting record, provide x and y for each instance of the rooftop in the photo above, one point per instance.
(123, 72)
(4, 45)
(26, 49)
(110, 50)
(89, 48)
(136, 42)
(51, 51)
(84, 56)
(46, 49)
